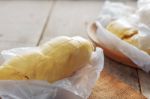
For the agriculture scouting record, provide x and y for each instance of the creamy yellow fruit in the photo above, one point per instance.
(133, 40)
(122, 28)
(55, 60)
(10, 73)
(126, 32)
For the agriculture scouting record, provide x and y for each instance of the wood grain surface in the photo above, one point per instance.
(29, 23)
(109, 87)
(22, 21)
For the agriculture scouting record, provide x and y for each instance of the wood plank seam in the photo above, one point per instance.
(139, 82)
(46, 22)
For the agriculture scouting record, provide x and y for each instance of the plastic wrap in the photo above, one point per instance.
(105, 37)
(143, 3)
(144, 11)
(78, 86)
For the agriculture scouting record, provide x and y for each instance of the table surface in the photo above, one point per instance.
(30, 23)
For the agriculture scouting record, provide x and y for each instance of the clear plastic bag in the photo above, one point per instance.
(144, 11)
(78, 86)
(143, 3)
(107, 38)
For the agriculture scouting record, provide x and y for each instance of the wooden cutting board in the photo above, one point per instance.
(109, 87)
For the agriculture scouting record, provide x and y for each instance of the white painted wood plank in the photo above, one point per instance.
(22, 21)
(70, 18)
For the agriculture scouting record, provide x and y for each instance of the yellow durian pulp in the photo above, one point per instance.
(124, 30)
(127, 32)
(55, 60)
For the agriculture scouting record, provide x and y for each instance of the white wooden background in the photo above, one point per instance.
(30, 23)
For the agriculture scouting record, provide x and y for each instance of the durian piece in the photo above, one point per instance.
(127, 32)
(124, 30)
(133, 40)
(7, 73)
(55, 60)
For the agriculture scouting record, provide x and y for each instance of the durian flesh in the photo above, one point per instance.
(122, 28)
(55, 60)
(125, 31)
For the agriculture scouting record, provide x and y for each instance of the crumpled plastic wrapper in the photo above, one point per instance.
(144, 11)
(78, 86)
(142, 3)
(105, 37)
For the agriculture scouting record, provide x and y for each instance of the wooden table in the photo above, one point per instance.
(30, 23)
